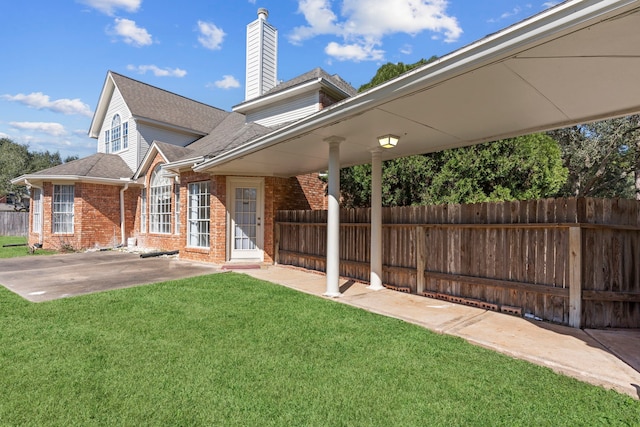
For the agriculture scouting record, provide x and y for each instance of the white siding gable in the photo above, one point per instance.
(292, 109)
(118, 106)
(140, 136)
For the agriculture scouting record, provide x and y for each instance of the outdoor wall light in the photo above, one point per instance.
(388, 141)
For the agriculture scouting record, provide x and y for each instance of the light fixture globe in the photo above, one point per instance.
(388, 141)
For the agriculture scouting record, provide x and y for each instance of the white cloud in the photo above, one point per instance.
(109, 7)
(227, 82)
(157, 71)
(353, 52)
(131, 33)
(4, 135)
(53, 129)
(549, 4)
(40, 101)
(211, 36)
(407, 49)
(363, 24)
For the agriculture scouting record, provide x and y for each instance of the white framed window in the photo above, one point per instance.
(107, 140)
(199, 215)
(115, 134)
(37, 210)
(125, 135)
(63, 208)
(143, 210)
(176, 198)
(160, 203)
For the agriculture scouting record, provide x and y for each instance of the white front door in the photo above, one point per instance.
(246, 211)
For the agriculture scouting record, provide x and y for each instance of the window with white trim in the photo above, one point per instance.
(160, 203)
(125, 135)
(63, 208)
(143, 210)
(107, 140)
(199, 214)
(37, 211)
(115, 134)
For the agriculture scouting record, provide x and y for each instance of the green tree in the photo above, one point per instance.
(602, 158)
(390, 70)
(523, 168)
(16, 160)
(404, 181)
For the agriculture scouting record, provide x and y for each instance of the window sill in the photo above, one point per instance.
(197, 250)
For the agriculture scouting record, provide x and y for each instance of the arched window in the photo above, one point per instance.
(115, 134)
(159, 203)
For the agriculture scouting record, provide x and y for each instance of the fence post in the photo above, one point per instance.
(276, 245)
(575, 277)
(420, 258)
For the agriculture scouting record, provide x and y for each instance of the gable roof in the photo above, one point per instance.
(232, 132)
(313, 75)
(315, 79)
(152, 104)
(99, 167)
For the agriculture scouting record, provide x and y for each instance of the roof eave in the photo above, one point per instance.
(148, 158)
(103, 105)
(308, 86)
(158, 123)
(33, 178)
(183, 164)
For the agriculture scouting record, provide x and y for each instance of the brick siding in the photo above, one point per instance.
(97, 214)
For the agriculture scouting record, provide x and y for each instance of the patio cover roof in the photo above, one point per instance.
(576, 62)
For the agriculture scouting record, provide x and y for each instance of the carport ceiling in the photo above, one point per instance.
(576, 62)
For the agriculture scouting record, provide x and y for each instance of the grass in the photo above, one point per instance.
(227, 349)
(16, 251)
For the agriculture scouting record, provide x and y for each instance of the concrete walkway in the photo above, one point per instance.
(602, 357)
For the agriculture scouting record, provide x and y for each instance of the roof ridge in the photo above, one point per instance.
(166, 91)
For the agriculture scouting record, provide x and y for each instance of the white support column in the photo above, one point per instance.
(333, 218)
(375, 278)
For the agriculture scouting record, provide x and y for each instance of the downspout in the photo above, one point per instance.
(122, 220)
(30, 185)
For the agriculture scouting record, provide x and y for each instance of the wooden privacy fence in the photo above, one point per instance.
(570, 261)
(14, 223)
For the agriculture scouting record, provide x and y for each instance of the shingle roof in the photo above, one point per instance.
(316, 73)
(175, 152)
(232, 132)
(157, 104)
(99, 165)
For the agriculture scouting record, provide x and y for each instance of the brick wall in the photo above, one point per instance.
(97, 214)
(96, 217)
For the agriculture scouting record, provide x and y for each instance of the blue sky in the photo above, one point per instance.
(56, 53)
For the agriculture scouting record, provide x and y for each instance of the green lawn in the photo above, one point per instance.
(15, 251)
(227, 349)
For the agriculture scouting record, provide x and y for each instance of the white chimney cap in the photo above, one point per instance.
(263, 13)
